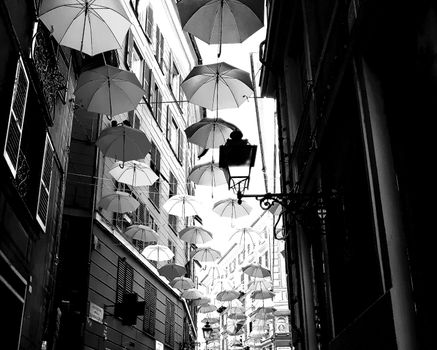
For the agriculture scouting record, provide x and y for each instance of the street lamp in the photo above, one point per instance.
(207, 331)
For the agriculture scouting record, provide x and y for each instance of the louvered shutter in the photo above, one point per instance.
(149, 23)
(180, 146)
(121, 273)
(16, 117)
(147, 81)
(158, 106)
(44, 186)
(128, 49)
(149, 308)
(129, 279)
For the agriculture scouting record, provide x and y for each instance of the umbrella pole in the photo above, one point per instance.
(221, 29)
(84, 23)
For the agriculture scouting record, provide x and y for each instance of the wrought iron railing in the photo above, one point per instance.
(23, 177)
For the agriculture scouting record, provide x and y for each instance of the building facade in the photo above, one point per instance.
(354, 83)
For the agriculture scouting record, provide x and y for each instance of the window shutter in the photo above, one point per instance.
(16, 117)
(181, 146)
(121, 273)
(129, 49)
(158, 106)
(42, 209)
(157, 43)
(149, 23)
(146, 81)
(149, 308)
(168, 125)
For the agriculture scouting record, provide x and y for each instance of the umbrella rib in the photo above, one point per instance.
(71, 23)
(229, 88)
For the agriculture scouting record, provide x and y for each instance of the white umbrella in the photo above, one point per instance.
(119, 202)
(141, 233)
(206, 254)
(191, 293)
(230, 208)
(171, 271)
(182, 283)
(208, 174)
(262, 294)
(133, 173)
(210, 319)
(123, 143)
(206, 308)
(108, 90)
(182, 205)
(89, 26)
(202, 300)
(195, 235)
(227, 295)
(157, 252)
(245, 233)
(256, 270)
(209, 132)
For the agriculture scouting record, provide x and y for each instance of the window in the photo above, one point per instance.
(173, 185)
(159, 48)
(174, 79)
(172, 247)
(149, 23)
(181, 144)
(172, 131)
(134, 120)
(137, 64)
(157, 104)
(149, 308)
(232, 266)
(128, 49)
(16, 117)
(125, 279)
(266, 257)
(147, 82)
(155, 159)
(42, 208)
(169, 322)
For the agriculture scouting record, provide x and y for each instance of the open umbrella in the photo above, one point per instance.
(123, 143)
(237, 316)
(207, 175)
(202, 300)
(227, 295)
(119, 202)
(89, 26)
(182, 283)
(133, 173)
(221, 21)
(191, 293)
(157, 252)
(260, 284)
(256, 270)
(217, 86)
(171, 271)
(262, 294)
(108, 90)
(230, 208)
(141, 233)
(206, 254)
(183, 205)
(195, 235)
(209, 132)
(210, 319)
(206, 308)
(245, 234)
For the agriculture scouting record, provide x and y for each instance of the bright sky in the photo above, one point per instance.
(244, 117)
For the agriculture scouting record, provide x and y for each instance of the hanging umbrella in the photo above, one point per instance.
(237, 316)
(260, 284)
(171, 271)
(207, 175)
(206, 254)
(195, 235)
(264, 310)
(89, 26)
(119, 202)
(157, 252)
(123, 143)
(191, 293)
(183, 205)
(244, 234)
(236, 310)
(264, 317)
(211, 320)
(201, 301)
(221, 284)
(141, 233)
(206, 308)
(230, 208)
(209, 132)
(108, 90)
(133, 173)
(217, 86)
(227, 295)
(182, 283)
(256, 270)
(262, 294)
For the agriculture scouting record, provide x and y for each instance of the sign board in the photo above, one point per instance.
(96, 313)
(159, 345)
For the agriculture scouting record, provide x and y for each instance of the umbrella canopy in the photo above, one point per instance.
(89, 26)
(206, 255)
(142, 233)
(227, 295)
(217, 86)
(171, 271)
(195, 235)
(123, 143)
(260, 284)
(201, 301)
(108, 90)
(182, 283)
(183, 205)
(133, 173)
(237, 316)
(191, 293)
(209, 132)
(210, 320)
(256, 270)
(119, 202)
(262, 294)
(231, 209)
(236, 310)
(245, 234)
(261, 316)
(206, 308)
(207, 175)
(157, 252)
(265, 310)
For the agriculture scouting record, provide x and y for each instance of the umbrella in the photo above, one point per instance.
(256, 270)
(260, 284)
(237, 316)
(182, 205)
(157, 252)
(195, 235)
(261, 316)
(206, 308)
(133, 173)
(210, 320)
(201, 301)
(119, 202)
(217, 21)
(262, 294)
(209, 132)
(265, 310)
(231, 208)
(245, 232)
(236, 310)
(89, 26)
(108, 90)
(141, 233)
(171, 271)
(227, 295)
(206, 255)
(191, 293)
(207, 175)
(123, 143)
(182, 283)
(217, 86)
